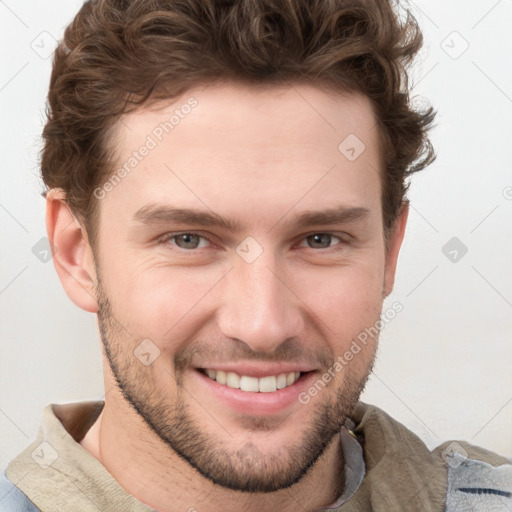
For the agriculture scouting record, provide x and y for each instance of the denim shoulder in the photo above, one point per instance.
(12, 499)
(474, 483)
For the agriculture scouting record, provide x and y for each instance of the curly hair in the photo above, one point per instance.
(119, 55)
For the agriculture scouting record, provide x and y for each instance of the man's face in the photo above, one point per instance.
(271, 291)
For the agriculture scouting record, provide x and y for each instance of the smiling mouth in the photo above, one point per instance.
(267, 384)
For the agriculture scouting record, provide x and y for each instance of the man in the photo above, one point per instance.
(226, 191)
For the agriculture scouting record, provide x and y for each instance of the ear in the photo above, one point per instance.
(72, 254)
(396, 237)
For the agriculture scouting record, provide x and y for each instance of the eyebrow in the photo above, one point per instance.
(162, 214)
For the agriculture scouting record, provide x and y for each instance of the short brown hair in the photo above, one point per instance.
(117, 55)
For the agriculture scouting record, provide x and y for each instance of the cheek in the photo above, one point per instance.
(163, 303)
(346, 300)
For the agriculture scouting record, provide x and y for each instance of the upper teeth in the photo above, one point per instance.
(246, 383)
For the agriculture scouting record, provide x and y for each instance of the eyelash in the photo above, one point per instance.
(168, 238)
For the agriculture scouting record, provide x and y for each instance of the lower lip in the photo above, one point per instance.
(256, 404)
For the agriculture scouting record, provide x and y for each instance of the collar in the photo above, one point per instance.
(354, 466)
(56, 473)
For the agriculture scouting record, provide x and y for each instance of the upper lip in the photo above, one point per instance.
(258, 370)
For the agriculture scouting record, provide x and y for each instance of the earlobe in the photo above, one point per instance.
(72, 255)
(396, 237)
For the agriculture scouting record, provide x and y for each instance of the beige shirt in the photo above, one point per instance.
(57, 474)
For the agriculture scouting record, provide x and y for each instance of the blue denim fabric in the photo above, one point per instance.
(12, 499)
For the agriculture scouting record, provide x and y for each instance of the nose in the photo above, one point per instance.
(259, 307)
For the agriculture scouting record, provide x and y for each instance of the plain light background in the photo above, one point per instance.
(444, 362)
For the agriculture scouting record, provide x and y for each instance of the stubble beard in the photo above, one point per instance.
(247, 469)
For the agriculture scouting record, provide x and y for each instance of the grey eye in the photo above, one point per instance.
(187, 241)
(319, 240)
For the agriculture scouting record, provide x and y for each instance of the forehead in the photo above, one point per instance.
(255, 116)
(237, 146)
